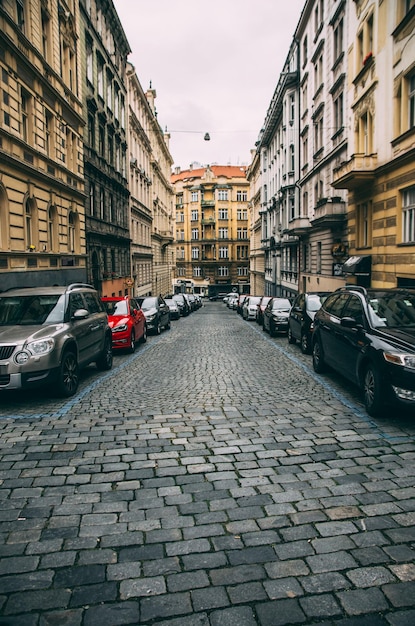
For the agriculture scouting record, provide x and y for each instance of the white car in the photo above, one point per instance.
(250, 307)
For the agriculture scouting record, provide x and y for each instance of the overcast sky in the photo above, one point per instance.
(214, 65)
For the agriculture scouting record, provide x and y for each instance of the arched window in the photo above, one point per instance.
(73, 232)
(4, 220)
(31, 230)
(53, 229)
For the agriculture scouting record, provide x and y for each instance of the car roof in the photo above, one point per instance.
(114, 298)
(47, 291)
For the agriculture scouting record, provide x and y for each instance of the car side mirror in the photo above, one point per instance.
(80, 314)
(350, 322)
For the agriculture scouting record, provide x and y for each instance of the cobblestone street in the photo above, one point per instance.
(210, 479)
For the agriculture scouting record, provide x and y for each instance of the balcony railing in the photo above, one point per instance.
(208, 221)
(298, 226)
(332, 210)
(207, 203)
(358, 171)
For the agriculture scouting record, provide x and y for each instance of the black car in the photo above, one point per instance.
(157, 313)
(368, 336)
(182, 303)
(301, 318)
(275, 318)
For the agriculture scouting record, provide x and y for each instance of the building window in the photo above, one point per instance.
(318, 73)
(29, 225)
(411, 102)
(101, 202)
(20, 15)
(223, 214)
(180, 253)
(338, 112)
(194, 196)
(46, 35)
(242, 214)
(72, 223)
(180, 235)
(338, 40)
(100, 64)
(195, 253)
(89, 61)
(49, 135)
(318, 260)
(242, 271)
(291, 204)
(241, 196)
(194, 216)
(223, 271)
(110, 141)
(92, 199)
(223, 252)
(91, 130)
(222, 194)
(241, 252)
(101, 140)
(292, 158)
(25, 114)
(181, 271)
(109, 91)
(408, 215)
(179, 200)
(195, 233)
(318, 134)
(305, 50)
(223, 233)
(364, 43)
(364, 225)
(179, 217)
(197, 272)
(365, 134)
(242, 233)
(111, 213)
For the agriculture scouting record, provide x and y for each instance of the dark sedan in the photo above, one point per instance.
(301, 318)
(275, 318)
(157, 313)
(368, 336)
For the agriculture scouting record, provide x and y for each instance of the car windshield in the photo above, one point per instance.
(170, 302)
(314, 302)
(31, 310)
(178, 298)
(281, 305)
(394, 310)
(116, 307)
(148, 303)
(254, 300)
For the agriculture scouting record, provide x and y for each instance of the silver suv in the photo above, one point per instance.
(48, 333)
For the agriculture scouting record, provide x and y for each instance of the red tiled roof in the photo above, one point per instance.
(226, 171)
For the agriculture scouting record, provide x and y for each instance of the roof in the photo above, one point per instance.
(224, 171)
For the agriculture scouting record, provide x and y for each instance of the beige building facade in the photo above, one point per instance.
(256, 248)
(212, 229)
(42, 217)
(379, 172)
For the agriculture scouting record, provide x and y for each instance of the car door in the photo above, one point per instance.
(97, 322)
(80, 326)
(164, 311)
(138, 317)
(329, 326)
(296, 316)
(352, 339)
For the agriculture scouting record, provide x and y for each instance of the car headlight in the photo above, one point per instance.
(406, 360)
(150, 318)
(120, 328)
(41, 346)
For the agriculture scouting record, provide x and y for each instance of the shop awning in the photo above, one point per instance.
(358, 265)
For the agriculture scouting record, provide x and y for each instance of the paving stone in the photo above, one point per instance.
(167, 605)
(362, 601)
(235, 616)
(280, 613)
(125, 613)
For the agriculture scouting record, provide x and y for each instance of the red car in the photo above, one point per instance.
(127, 322)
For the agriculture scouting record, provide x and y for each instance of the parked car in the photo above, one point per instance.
(174, 308)
(240, 302)
(250, 307)
(192, 301)
(48, 333)
(231, 300)
(261, 309)
(231, 294)
(368, 336)
(127, 322)
(276, 316)
(157, 313)
(301, 318)
(182, 303)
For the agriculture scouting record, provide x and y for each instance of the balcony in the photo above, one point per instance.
(208, 204)
(356, 172)
(329, 212)
(298, 226)
(208, 221)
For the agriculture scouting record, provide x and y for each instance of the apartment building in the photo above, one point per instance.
(379, 170)
(322, 33)
(278, 151)
(42, 217)
(162, 236)
(103, 74)
(212, 228)
(256, 252)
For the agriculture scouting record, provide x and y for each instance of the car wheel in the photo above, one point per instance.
(132, 342)
(104, 362)
(271, 329)
(158, 328)
(68, 378)
(264, 328)
(144, 337)
(168, 325)
(291, 338)
(318, 361)
(305, 344)
(372, 389)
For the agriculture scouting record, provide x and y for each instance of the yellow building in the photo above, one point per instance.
(212, 228)
(380, 172)
(41, 150)
(257, 255)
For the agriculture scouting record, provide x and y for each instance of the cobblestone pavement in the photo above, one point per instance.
(210, 479)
